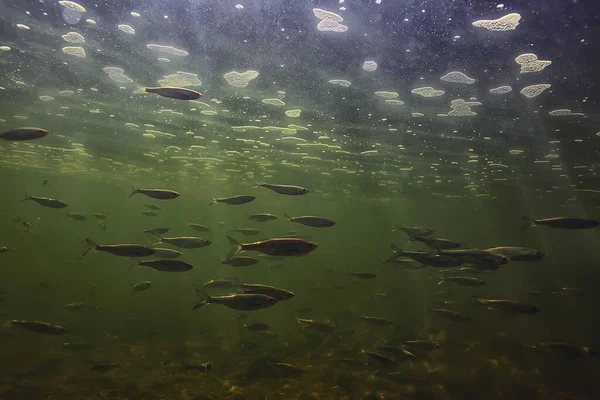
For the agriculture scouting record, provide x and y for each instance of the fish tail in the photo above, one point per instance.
(476, 301)
(202, 302)
(288, 217)
(527, 223)
(91, 246)
(134, 191)
(259, 184)
(140, 90)
(236, 247)
(396, 252)
(395, 228)
(133, 265)
(213, 201)
(440, 282)
(26, 198)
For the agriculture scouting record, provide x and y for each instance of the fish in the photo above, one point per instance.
(47, 202)
(262, 217)
(278, 293)
(123, 250)
(316, 325)
(104, 367)
(76, 346)
(166, 253)
(284, 189)
(568, 291)
(561, 223)
(396, 352)
(315, 222)
(175, 93)
(287, 370)
(186, 242)
(233, 200)
(156, 231)
(159, 194)
(507, 306)
(75, 306)
(257, 327)
(567, 349)
(380, 358)
(4, 249)
(244, 302)
(449, 315)
(534, 293)
(407, 264)
(150, 213)
(20, 134)
(431, 259)
(45, 182)
(475, 256)
(140, 286)
(436, 243)
(518, 253)
(240, 261)
(378, 321)
(201, 367)
(363, 275)
(412, 230)
(39, 327)
(103, 226)
(76, 217)
(99, 216)
(462, 280)
(273, 247)
(198, 227)
(247, 231)
(220, 284)
(422, 344)
(167, 265)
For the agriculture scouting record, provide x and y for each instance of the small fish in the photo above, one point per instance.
(175, 93)
(287, 370)
(153, 207)
(76, 217)
(166, 253)
(568, 291)
(76, 346)
(4, 249)
(567, 349)
(21, 134)
(380, 358)
(103, 226)
(407, 264)
(284, 189)
(274, 247)
(186, 242)
(397, 353)
(45, 182)
(104, 367)
(39, 327)
(156, 231)
(436, 243)
(75, 306)
(449, 315)
(47, 202)
(240, 261)
(363, 275)
(220, 284)
(431, 259)
(262, 217)
(199, 228)
(257, 327)
(244, 302)
(422, 344)
(28, 226)
(561, 223)
(412, 230)
(167, 265)
(123, 250)
(159, 194)
(508, 306)
(518, 253)
(315, 325)
(247, 231)
(233, 200)
(462, 280)
(140, 286)
(534, 293)
(150, 213)
(315, 222)
(475, 256)
(99, 216)
(201, 367)
(278, 293)
(378, 321)
(381, 295)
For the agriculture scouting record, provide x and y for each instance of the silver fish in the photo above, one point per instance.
(166, 253)
(186, 242)
(462, 280)
(233, 200)
(167, 265)
(284, 189)
(140, 286)
(175, 93)
(262, 217)
(123, 250)
(508, 306)
(21, 134)
(47, 202)
(240, 261)
(315, 222)
(244, 302)
(436, 243)
(159, 194)
(198, 227)
(518, 253)
(412, 230)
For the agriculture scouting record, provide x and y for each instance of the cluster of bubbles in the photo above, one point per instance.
(180, 79)
(457, 77)
(427, 91)
(117, 75)
(293, 113)
(167, 49)
(127, 29)
(508, 22)
(501, 90)
(74, 51)
(274, 102)
(534, 90)
(73, 37)
(330, 22)
(340, 82)
(529, 63)
(387, 95)
(563, 112)
(461, 108)
(369, 66)
(240, 79)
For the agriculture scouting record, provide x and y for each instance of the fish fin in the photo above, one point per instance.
(395, 228)
(236, 247)
(202, 302)
(397, 252)
(140, 90)
(132, 266)
(26, 198)
(288, 217)
(91, 246)
(527, 223)
(134, 191)
(259, 184)
(212, 201)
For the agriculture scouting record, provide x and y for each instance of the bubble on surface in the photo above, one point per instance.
(395, 102)
(387, 95)
(529, 63)
(427, 91)
(72, 6)
(46, 98)
(534, 90)
(73, 37)
(208, 112)
(90, 21)
(564, 112)
(274, 102)
(417, 115)
(293, 113)
(23, 27)
(328, 25)
(240, 79)
(461, 108)
(369, 66)
(457, 77)
(127, 29)
(323, 14)
(117, 75)
(134, 14)
(164, 60)
(167, 49)
(74, 51)
(5, 48)
(501, 90)
(180, 79)
(507, 23)
(340, 82)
